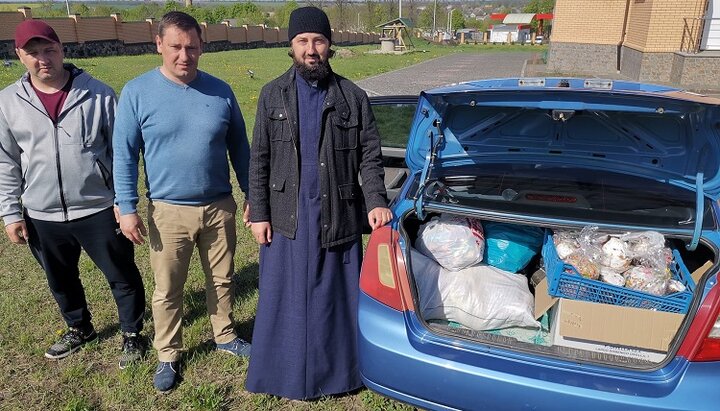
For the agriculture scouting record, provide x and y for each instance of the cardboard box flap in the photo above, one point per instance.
(543, 300)
(697, 274)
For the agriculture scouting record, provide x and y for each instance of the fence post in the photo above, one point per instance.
(26, 11)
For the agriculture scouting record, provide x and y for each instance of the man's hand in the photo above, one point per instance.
(262, 232)
(17, 232)
(379, 216)
(133, 228)
(246, 214)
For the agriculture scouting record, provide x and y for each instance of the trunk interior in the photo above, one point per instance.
(548, 338)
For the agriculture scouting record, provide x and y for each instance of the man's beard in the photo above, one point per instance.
(316, 72)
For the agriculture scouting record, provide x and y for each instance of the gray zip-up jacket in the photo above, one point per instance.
(56, 172)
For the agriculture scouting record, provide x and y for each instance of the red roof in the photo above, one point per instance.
(538, 16)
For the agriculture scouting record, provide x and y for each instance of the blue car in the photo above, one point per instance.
(549, 155)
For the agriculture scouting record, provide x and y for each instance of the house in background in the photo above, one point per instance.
(509, 33)
(662, 41)
(516, 27)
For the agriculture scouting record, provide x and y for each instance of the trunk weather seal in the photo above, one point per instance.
(699, 212)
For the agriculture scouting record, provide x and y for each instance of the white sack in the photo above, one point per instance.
(480, 297)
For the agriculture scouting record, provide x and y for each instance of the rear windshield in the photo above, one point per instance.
(563, 192)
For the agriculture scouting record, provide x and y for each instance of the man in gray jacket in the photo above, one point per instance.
(56, 191)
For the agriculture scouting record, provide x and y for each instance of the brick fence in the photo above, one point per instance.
(110, 36)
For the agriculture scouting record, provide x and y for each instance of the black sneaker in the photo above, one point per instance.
(133, 349)
(71, 341)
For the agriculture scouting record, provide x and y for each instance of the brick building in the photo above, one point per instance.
(662, 41)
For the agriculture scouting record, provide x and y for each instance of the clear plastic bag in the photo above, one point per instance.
(454, 242)
(637, 260)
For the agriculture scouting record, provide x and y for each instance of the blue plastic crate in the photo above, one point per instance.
(565, 282)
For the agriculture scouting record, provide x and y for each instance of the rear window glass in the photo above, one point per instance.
(393, 123)
(563, 192)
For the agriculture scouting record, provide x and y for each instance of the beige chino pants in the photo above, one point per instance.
(174, 232)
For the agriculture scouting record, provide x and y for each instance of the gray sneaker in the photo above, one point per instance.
(133, 349)
(70, 342)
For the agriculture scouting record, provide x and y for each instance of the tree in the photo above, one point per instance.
(458, 20)
(372, 17)
(80, 8)
(539, 6)
(220, 13)
(341, 11)
(389, 10)
(410, 9)
(425, 18)
(104, 10)
(171, 5)
(282, 14)
(144, 11)
(247, 13)
(479, 25)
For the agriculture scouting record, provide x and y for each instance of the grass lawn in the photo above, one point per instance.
(90, 379)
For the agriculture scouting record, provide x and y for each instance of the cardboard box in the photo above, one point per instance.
(611, 329)
(596, 347)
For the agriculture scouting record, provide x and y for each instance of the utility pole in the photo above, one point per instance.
(400, 8)
(67, 6)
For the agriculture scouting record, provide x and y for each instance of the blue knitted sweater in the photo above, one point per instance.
(185, 133)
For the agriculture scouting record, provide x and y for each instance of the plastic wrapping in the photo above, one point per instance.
(454, 242)
(638, 260)
(479, 297)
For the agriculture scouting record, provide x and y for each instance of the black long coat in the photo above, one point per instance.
(349, 147)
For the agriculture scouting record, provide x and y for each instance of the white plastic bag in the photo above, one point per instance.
(481, 297)
(454, 242)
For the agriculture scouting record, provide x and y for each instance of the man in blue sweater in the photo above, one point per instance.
(184, 122)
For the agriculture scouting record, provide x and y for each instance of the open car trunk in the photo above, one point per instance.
(577, 318)
(550, 156)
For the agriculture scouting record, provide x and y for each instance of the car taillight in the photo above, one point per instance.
(710, 348)
(383, 276)
(702, 342)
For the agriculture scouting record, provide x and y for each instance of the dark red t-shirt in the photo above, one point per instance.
(54, 102)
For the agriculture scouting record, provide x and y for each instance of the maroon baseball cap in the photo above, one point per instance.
(34, 29)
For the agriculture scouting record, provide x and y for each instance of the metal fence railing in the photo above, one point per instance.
(693, 30)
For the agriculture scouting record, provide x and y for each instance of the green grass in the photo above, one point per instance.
(90, 379)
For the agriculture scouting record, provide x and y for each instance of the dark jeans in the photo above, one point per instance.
(57, 246)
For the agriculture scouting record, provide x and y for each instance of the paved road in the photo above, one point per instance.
(455, 68)
(452, 68)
